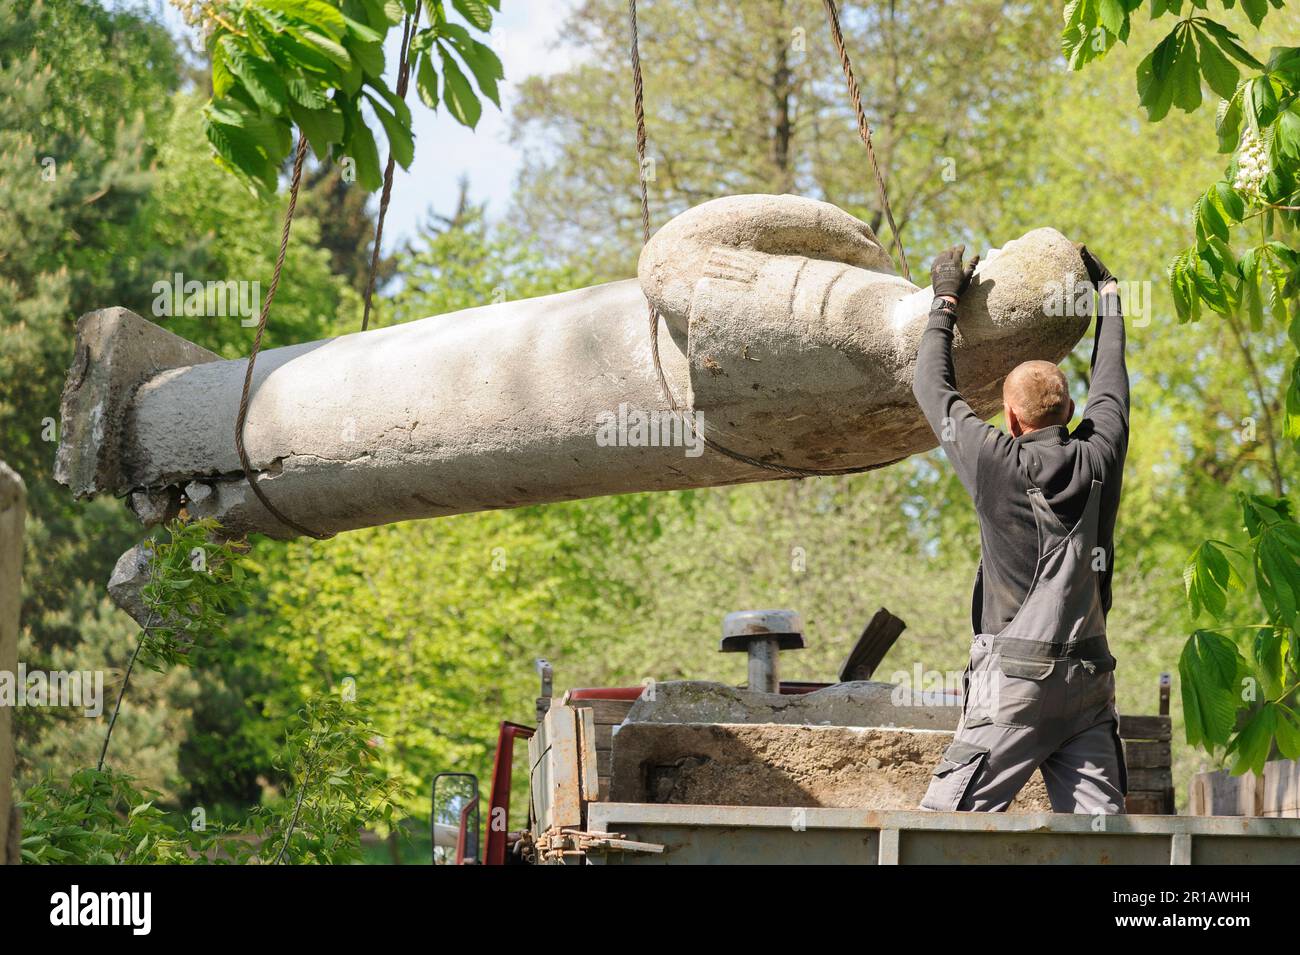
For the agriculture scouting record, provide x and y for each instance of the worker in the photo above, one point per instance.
(1039, 690)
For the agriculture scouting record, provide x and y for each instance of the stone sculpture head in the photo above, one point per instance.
(1034, 396)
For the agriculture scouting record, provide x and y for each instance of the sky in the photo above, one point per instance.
(524, 35)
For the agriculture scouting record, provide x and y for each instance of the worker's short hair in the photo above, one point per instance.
(1038, 393)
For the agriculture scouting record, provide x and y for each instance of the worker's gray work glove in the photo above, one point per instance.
(947, 276)
(1097, 272)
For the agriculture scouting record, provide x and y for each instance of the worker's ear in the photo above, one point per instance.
(1013, 422)
(1070, 417)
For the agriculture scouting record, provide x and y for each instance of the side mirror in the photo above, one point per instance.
(454, 820)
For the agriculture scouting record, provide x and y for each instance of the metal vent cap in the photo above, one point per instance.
(741, 627)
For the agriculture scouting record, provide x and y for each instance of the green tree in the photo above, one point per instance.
(107, 190)
(76, 149)
(750, 98)
(318, 65)
(1239, 681)
(343, 212)
(103, 817)
(79, 85)
(205, 225)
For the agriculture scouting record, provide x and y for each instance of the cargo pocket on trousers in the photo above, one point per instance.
(952, 777)
(1020, 690)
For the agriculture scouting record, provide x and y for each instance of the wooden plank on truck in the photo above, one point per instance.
(1147, 754)
(1282, 789)
(565, 788)
(1148, 780)
(539, 780)
(1148, 758)
(1221, 794)
(605, 716)
(1146, 804)
(1145, 727)
(587, 754)
(605, 712)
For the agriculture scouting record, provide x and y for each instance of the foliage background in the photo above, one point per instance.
(438, 623)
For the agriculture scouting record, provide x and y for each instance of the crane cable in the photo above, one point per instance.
(864, 131)
(409, 26)
(638, 106)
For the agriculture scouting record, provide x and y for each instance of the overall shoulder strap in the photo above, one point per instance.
(1052, 529)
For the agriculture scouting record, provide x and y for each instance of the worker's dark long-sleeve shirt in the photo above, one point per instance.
(998, 470)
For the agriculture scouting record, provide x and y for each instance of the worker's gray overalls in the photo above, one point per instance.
(1042, 692)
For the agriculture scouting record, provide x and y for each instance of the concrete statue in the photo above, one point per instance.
(783, 334)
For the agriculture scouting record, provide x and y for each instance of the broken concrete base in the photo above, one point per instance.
(859, 703)
(782, 765)
(126, 586)
(117, 352)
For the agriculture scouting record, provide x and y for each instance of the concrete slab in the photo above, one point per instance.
(859, 703)
(771, 764)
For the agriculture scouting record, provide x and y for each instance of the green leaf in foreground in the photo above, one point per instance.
(1208, 670)
(1208, 575)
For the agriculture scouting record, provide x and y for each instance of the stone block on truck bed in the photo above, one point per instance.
(775, 764)
(858, 703)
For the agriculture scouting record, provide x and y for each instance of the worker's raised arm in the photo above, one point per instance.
(1108, 391)
(959, 429)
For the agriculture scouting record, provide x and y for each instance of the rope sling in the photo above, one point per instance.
(409, 25)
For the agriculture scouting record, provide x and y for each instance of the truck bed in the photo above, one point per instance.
(721, 835)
